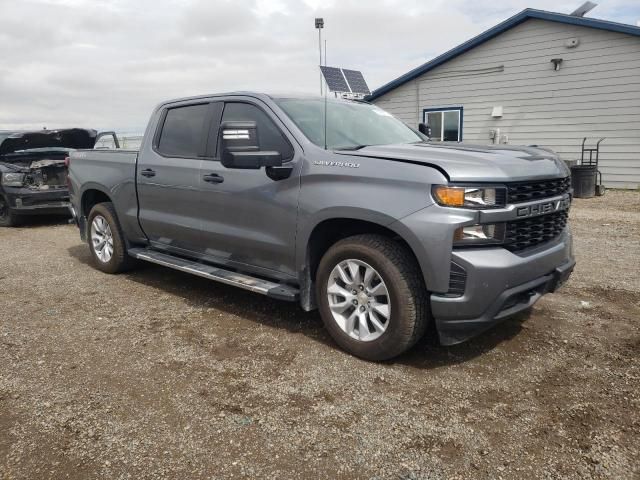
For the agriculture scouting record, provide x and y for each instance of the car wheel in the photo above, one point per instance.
(106, 241)
(7, 218)
(372, 297)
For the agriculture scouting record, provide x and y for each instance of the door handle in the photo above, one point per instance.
(147, 172)
(213, 178)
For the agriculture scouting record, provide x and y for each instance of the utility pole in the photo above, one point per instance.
(320, 26)
(325, 53)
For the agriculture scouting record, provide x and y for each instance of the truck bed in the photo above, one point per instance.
(116, 170)
(113, 167)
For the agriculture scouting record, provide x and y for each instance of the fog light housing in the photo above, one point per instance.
(492, 233)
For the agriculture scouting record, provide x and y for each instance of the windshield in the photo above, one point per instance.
(350, 125)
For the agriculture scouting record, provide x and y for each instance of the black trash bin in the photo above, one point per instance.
(571, 163)
(583, 180)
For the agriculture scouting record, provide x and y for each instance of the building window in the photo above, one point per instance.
(445, 123)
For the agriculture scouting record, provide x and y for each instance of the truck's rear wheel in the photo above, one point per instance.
(106, 242)
(371, 296)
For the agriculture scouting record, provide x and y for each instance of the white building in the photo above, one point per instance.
(538, 78)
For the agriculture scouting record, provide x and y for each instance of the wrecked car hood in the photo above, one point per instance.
(474, 163)
(74, 138)
(46, 163)
(23, 160)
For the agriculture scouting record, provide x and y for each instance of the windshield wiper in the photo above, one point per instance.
(353, 147)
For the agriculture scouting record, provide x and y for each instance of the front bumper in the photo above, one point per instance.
(499, 284)
(27, 201)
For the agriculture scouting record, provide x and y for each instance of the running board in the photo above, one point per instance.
(258, 285)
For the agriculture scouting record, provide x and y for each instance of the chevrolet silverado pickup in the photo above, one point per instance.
(33, 173)
(355, 214)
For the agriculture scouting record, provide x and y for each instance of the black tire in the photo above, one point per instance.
(7, 218)
(408, 299)
(119, 261)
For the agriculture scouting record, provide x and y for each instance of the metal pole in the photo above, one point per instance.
(325, 118)
(320, 48)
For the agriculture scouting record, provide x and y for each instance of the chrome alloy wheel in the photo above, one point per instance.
(359, 300)
(102, 239)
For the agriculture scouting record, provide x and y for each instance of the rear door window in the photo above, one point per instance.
(183, 130)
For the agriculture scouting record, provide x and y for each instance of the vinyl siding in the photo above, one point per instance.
(595, 94)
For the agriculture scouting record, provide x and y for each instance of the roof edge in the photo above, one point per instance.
(498, 29)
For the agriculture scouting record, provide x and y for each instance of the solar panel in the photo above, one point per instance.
(334, 78)
(356, 81)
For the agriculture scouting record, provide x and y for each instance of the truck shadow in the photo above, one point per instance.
(202, 293)
(427, 354)
(33, 221)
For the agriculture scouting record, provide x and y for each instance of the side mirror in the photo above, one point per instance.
(240, 147)
(425, 129)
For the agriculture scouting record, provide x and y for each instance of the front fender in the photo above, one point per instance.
(306, 227)
(373, 190)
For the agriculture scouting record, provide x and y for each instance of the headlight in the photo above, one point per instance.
(469, 197)
(479, 234)
(13, 179)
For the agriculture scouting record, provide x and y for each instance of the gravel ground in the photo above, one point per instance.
(158, 374)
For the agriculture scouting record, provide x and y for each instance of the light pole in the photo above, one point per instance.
(320, 26)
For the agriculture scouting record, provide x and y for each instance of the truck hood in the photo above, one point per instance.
(473, 163)
(76, 138)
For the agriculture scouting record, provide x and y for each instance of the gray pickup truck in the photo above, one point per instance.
(386, 233)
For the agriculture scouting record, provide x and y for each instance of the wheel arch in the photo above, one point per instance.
(318, 238)
(91, 196)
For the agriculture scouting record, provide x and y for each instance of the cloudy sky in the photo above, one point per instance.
(105, 63)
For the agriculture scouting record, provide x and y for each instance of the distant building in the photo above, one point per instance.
(537, 78)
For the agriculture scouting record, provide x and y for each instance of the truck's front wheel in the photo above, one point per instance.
(371, 295)
(106, 241)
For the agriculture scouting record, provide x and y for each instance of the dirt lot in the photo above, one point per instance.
(158, 374)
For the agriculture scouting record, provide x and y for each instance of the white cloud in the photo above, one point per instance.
(105, 64)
